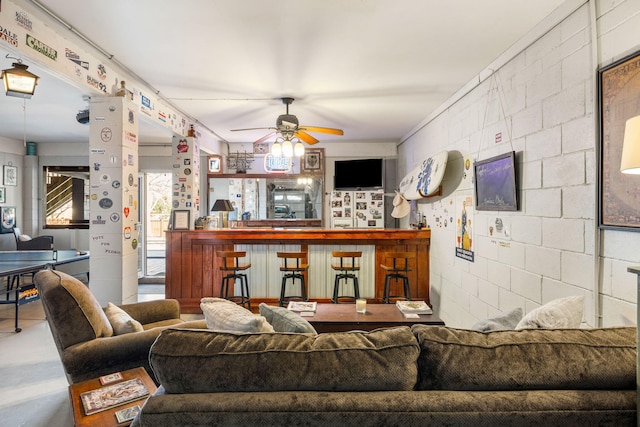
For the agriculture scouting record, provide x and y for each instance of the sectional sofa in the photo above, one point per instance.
(425, 375)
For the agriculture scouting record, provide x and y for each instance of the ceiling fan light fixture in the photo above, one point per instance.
(276, 149)
(298, 149)
(287, 148)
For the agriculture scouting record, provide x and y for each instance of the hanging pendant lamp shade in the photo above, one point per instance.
(19, 82)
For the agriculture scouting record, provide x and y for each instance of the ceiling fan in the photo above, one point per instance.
(287, 125)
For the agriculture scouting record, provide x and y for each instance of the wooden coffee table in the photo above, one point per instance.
(343, 317)
(106, 417)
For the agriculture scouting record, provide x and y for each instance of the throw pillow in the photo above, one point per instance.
(500, 323)
(284, 320)
(24, 238)
(559, 313)
(224, 315)
(120, 321)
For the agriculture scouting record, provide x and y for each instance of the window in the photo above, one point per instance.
(66, 198)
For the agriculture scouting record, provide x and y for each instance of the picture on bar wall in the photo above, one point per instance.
(619, 91)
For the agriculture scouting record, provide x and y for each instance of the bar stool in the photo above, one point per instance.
(346, 271)
(232, 267)
(397, 271)
(293, 267)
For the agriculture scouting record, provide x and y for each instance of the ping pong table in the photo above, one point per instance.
(13, 264)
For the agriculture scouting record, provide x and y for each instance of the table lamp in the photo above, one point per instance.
(630, 162)
(224, 206)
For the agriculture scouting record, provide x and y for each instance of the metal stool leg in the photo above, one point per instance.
(282, 289)
(356, 287)
(407, 288)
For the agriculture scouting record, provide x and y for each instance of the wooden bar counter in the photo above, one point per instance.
(192, 270)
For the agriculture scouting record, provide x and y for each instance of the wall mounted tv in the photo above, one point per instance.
(495, 183)
(358, 174)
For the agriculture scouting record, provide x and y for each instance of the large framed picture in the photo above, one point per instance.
(496, 183)
(7, 219)
(313, 160)
(180, 219)
(618, 94)
(10, 175)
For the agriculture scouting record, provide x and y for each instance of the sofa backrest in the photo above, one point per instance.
(205, 361)
(72, 311)
(569, 359)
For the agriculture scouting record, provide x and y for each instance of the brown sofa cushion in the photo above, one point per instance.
(579, 359)
(191, 361)
(70, 303)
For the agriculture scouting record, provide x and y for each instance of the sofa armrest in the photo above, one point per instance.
(35, 244)
(153, 311)
(101, 356)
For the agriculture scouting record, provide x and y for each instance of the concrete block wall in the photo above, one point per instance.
(542, 102)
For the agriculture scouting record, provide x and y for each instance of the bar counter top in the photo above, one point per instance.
(193, 271)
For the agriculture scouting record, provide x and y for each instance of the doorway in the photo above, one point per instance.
(155, 211)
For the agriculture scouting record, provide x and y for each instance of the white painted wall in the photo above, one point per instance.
(542, 99)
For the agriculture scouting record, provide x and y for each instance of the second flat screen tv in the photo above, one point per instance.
(358, 174)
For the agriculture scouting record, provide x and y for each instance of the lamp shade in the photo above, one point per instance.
(19, 82)
(222, 205)
(631, 147)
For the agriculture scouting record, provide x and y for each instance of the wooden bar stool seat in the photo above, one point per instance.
(293, 267)
(233, 270)
(397, 271)
(347, 264)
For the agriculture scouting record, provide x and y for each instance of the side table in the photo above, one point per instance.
(107, 417)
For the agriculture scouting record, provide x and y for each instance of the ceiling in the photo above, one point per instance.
(374, 68)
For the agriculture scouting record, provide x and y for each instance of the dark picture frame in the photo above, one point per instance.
(180, 219)
(313, 160)
(496, 183)
(618, 94)
(3, 195)
(7, 219)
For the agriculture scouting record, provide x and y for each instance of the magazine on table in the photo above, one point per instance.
(414, 307)
(302, 306)
(108, 397)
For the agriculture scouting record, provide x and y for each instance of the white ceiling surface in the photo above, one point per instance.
(374, 68)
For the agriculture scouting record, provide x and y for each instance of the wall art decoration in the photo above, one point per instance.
(10, 175)
(618, 195)
(3, 195)
(215, 164)
(180, 219)
(313, 160)
(7, 219)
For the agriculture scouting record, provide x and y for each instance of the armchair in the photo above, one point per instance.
(84, 335)
(27, 243)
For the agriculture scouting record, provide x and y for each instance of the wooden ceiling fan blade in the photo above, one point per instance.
(306, 137)
(323, 130)
(238, 130)
(264, 138)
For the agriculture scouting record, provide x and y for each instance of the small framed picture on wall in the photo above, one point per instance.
(3, 195)
(215, 164)
(7, 219)
(10, 175)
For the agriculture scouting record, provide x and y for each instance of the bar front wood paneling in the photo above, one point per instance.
(192, 270)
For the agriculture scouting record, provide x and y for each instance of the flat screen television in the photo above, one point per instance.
(358, 174)
(496, 183)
